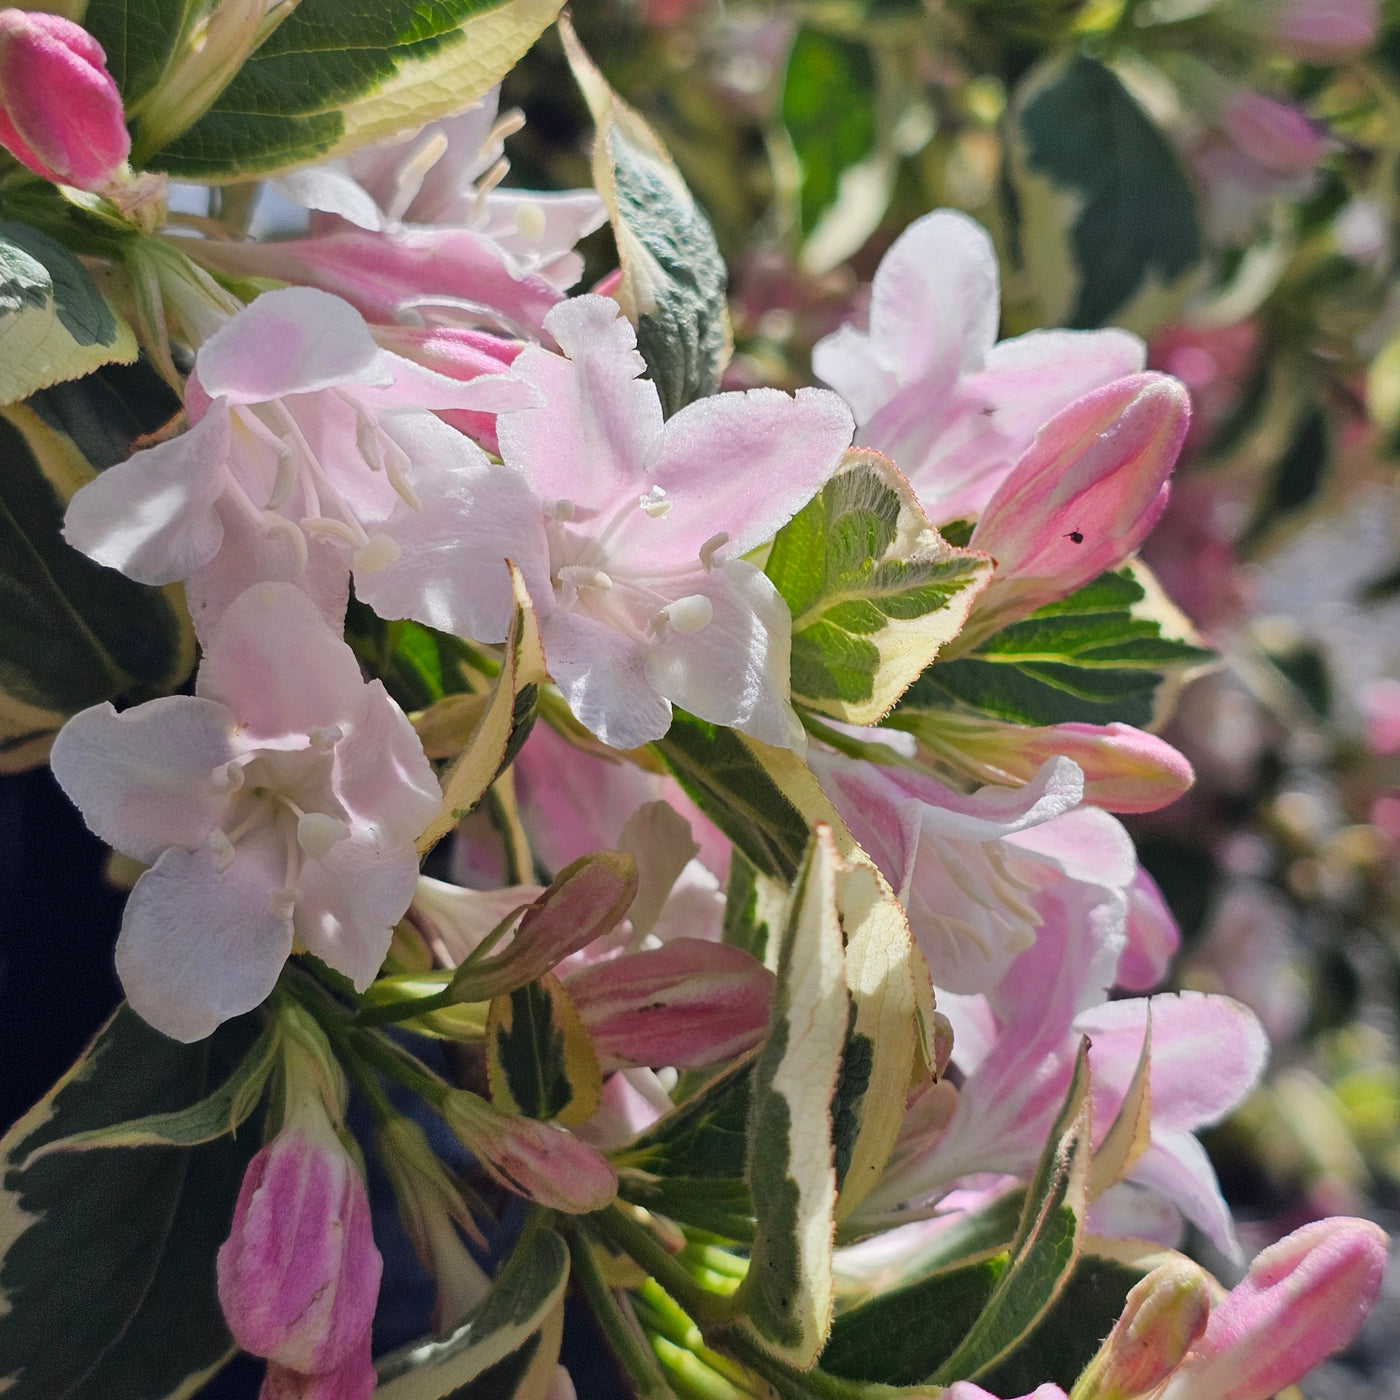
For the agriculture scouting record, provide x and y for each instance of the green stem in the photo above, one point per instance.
(708, 1309)
(406, 1009)
(618, 1324)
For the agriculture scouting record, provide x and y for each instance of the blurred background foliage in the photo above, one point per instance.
(1224, 179)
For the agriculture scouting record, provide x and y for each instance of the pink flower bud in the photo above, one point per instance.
(1163, 1316)
(1315, 31)
(60, 112)
(540, 1161)
(1272, 134)
(1082, 498)
(299, 1273)
(1380, 710)
(1303, 1299)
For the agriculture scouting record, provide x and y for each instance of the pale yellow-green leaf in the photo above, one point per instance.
(37, 351)
(466, 781)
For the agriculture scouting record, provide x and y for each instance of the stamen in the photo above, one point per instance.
(324, 737)
(321, 528)
(395, 461)
(580, 576)
(317, 833)
(275, 524)
(411, 174)
(485, 185)
(218, 842)
(507, 124)
(287, 473)
(711, 547)
(530, 221)
(655, 504)
(228, 777)
(690, 614)
(379, 553)
(562, 510)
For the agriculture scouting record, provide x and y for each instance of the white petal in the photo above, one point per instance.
(199, 944)
(152, 516)
(145, 779)
(381, 776)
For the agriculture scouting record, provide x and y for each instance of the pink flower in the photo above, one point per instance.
(1303, 1299)
(299, 1272)
(629, 531)
(1315, 31)
(60, 111)
(928, 383)
(305, 437)
(1380, 710)
(279, 803)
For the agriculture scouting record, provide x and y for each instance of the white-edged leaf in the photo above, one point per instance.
(1131, 1130)
(54, 323)
(673, 277)
(508, 1347)
(788, 1292)
(874, 590)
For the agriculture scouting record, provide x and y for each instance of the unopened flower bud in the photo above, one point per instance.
(298, 1276)
(1162, 1318)
(1314, 31)
(540, 1161)
(1303, 1299)
(60, 112)
(1275, 135)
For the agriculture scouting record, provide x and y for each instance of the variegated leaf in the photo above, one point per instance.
(539, 1058)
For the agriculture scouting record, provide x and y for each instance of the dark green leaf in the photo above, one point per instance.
(1092, 171)
(673, 277)
(829, 110)
(720, 772)
(528, 1048)
(107, 1274)
(1098, 656)
(71, 632)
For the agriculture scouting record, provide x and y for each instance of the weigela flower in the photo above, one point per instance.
(60, 112)
(930, 386)
(299, 1273)
(277, 806)
(417, 231)
(302, 444)
(628, 531)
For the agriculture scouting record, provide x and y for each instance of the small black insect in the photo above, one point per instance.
(1076, 535)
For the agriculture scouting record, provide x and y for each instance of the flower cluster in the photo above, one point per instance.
(786, 946)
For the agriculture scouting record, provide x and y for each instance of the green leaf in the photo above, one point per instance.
(331, 77)
(690, 1164)
(1115, 650)
(720, 772)
(874, 592)
(54, 323)
(71, 632)
(222, 1113)
(539, 1059)
(1107, 219)
(903, 1335)
(829, 111)
(1066, 1338)
(107, 1262)
(788, 1292)
(1046, 1243)
(673, 278)
(508, 1347)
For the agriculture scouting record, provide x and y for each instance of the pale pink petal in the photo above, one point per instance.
(198, 944)
(459, 918)
(1153, 937)
(846, 360)
(146, 779)
(418, 386)
(540, 228)
(450, 569)
(250, 553)
(354, 1379)
(1189, 1029)
(349, 901)
(1131, 1211)
(597, 433)
(1086, 844)
(658, 838)
(152, 516)
(1380, 709)
(734, 669)
(966, 1390)
(292, 341)
(381, 775)
(273, 661)
(604, 677)
(690, 1004)
(1176, 1166)
(736, 464)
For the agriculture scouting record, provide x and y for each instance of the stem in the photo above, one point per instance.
(406, 1009)
(618, 1324)
(798, 1385)
(708, 1309)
